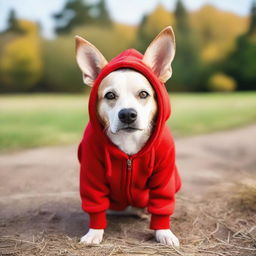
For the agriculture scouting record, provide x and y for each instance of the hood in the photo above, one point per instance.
(131, 59)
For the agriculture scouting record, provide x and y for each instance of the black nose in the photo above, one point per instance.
(127, 115)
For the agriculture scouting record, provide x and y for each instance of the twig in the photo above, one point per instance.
(176, 250)
(238, 247)
(216, 229)
(251, 229)
(17, 240)
(205, 236)
(112, 251)
(43, 247)
(195, 221)
(228, 240)
(211, 252)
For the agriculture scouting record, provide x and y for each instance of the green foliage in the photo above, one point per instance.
(78, 12)
(204, 40)
(74, 13)
(102, 15)
(186, 66)
(20, 62)
(222, 83)
(13, 23)
(241, 63)
(61, 72)
(252, 27)
(182, 22)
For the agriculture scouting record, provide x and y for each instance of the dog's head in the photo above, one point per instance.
(126, 100)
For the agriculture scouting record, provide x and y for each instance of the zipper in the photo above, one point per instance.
(129, 179)
(129, 164)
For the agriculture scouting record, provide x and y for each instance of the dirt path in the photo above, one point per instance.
(39, 187)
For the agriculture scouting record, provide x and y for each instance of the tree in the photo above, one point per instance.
(241, 63)
(74, 13)
(77, 12)
(20, 62)
(186, 66)
(151, 25)
(12, 21)
(216, 31)
(103, 16)
(13, 24)
(252, 27)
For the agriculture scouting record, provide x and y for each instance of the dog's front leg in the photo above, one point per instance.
(94, 236)
(165, 236)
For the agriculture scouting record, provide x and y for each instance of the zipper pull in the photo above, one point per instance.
(129, 164)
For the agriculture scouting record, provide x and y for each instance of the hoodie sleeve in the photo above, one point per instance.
(93, 186)
(163, 184)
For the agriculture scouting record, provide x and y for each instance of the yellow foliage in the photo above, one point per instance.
(20, 63)
(115, 40)
(221, 82)
(158, 20)
(28, 27)
(127, 31)
(210, 52)
(217, 31)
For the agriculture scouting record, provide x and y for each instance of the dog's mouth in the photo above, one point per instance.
(129, 129)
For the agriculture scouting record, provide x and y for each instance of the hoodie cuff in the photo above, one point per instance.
(98, 220)
(160, 222)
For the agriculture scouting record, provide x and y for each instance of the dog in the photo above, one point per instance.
(127, 154)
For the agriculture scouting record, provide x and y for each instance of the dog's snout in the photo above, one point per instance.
(127, 115)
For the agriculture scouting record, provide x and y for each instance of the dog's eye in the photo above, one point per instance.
(143, 94)
(110, 96)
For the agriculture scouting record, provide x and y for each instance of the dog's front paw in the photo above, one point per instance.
(94, 236)
(165, 236)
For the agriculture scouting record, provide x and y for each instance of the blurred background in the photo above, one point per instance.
(43, 100)
(43, 112)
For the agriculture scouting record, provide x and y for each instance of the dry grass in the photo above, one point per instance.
(245, 195)
(222, 224)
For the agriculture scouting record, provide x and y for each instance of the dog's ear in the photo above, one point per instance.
(89, 60)
(160, 53)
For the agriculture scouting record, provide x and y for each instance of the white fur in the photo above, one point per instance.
(130, 143)
(127, 83)
(165, 236)
(93, 236)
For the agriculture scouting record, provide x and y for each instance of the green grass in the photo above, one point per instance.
(204, 113)
(39, 120)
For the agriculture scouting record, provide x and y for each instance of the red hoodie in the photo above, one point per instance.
(111, 179)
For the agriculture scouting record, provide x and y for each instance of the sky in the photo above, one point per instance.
(123, 11)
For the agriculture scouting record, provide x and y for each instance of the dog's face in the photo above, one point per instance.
(126, 102)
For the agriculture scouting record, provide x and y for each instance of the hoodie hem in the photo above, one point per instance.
(160, 222)
(98, 220)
